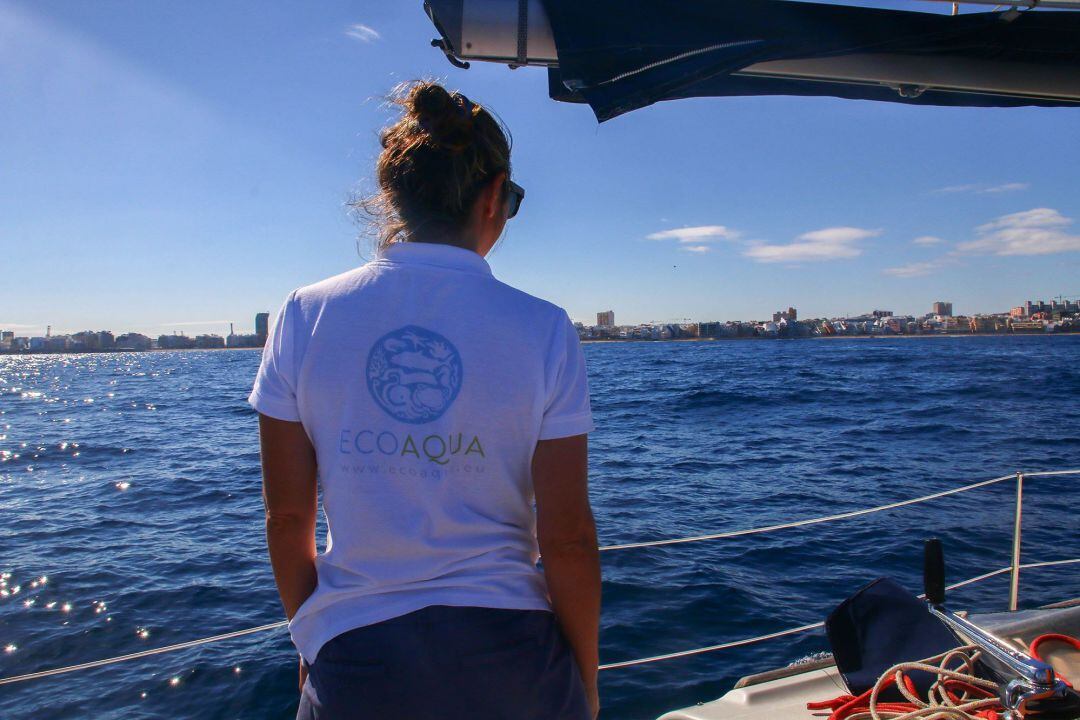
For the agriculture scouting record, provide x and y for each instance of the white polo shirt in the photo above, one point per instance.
(424, 384)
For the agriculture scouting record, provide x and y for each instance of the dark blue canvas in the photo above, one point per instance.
(448, 663)
(620, 55)
(879, 626)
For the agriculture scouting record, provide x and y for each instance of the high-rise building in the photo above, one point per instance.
(942, 308)
(606, 318)
(262, 324)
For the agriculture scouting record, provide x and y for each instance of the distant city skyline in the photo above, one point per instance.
(169, 184)
(219, 327)
(1033, 317)
(606, 318)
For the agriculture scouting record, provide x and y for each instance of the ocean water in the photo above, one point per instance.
(130, 482)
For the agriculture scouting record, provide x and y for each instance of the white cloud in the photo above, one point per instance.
(1037, 217)
(835, 243)
(927, 240)
(699, 234)
(363, 33)
(981, 188)
(838, 235)
(1007, 187)
(918, 269)
(695, 248)
(1040, 231)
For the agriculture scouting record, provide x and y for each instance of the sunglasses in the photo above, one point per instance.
(515, 194)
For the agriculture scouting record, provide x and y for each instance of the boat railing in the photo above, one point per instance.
(1013, 570)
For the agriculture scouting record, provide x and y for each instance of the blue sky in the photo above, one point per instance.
(173, 166)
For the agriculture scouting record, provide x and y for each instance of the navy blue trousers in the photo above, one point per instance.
(448, 663)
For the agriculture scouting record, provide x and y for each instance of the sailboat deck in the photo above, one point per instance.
(784, 698)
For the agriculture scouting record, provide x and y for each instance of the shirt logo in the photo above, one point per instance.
(414, 374)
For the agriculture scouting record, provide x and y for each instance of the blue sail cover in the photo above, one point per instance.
(620, 55)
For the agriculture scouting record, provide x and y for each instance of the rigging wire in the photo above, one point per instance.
(626, 663)
(813, 521)
(609, 666)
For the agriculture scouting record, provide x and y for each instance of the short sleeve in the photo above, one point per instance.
(274, 393)
(567, 411)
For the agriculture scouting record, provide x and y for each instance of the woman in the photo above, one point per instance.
(434, 404)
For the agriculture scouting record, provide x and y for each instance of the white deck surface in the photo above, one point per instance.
(773, 700)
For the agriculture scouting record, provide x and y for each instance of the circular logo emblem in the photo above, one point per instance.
(414, 374)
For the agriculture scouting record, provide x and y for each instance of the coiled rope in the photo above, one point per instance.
(956, 694)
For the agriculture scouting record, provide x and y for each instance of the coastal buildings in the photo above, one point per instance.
(262, 325)
(258, 339)
(1061, 315)
(133, 341)
(1055, 309)
(104, 341)
(90, 341)
(244, 341)
(177, 341)
(942, 308)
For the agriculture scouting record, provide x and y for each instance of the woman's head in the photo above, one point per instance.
(443, 171)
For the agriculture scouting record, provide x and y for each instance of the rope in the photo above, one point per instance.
(1004, 570)
(812, 521)
(1050, 473)
(625, 663)
(711, 648)
(1049, 563)
(609, 666)
(142, 654)
(814, 626)
(956, 694)
(676, 58)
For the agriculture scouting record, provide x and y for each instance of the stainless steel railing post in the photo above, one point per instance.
(1014, 577)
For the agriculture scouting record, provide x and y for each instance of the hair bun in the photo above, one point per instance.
(435, 160)
(446, 117)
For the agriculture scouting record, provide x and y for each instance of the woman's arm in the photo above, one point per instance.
(291, 499)
(567, 536)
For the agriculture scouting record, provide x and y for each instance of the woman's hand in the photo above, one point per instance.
(303, 674)
(593, 696)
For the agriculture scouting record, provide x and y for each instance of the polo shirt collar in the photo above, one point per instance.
(435, 254)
